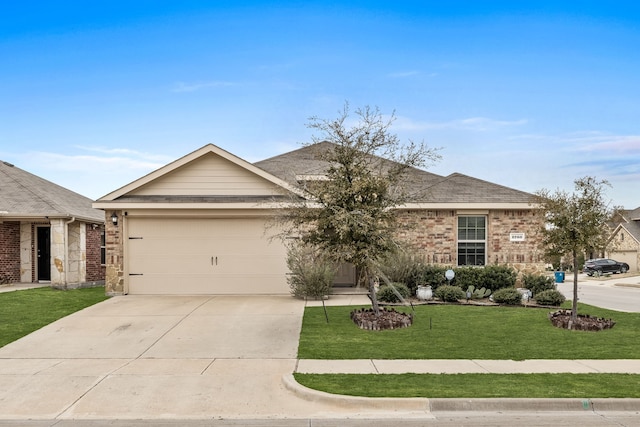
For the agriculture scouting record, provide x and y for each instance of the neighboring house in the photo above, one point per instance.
(200, 225)
(624, 243)
(48, 234)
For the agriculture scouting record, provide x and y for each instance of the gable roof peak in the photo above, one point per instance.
(188, 158)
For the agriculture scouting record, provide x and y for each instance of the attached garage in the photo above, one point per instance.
(204, 256)
(630, 257)
(199, 225)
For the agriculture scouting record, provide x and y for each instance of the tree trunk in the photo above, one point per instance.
(574, 304)
(372, 291)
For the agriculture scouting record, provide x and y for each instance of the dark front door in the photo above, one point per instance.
(44, 253)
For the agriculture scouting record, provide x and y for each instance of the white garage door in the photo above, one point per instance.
(204, 256)
(630, 257)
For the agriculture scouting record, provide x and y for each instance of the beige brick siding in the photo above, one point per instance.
(433, 233)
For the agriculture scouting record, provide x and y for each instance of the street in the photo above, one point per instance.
(617, 292)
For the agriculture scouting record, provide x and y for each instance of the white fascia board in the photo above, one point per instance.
(466, 206)
(183, 206)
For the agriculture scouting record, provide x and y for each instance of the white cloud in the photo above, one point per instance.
(477, 124)
(64, 162)
(127, 152)
(607, 144)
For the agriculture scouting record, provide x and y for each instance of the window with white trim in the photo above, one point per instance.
(472, 240)
(103, 248)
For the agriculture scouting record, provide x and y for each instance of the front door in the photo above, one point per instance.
(43, 268)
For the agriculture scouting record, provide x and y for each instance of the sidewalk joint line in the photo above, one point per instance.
(172, 328)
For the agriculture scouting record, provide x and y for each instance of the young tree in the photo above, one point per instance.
(574, 223)
(350, 216)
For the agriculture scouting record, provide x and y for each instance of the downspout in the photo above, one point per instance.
(66, 250)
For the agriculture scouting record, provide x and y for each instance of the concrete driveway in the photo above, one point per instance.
(147, 357)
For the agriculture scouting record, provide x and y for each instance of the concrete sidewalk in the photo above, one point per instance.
(443, 366)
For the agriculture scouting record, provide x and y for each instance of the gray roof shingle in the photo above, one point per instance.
(23, 194)
(429, 187)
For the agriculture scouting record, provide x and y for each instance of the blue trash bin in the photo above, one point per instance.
(559, 276)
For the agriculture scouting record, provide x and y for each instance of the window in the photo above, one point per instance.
(103, 249)
(472, 240)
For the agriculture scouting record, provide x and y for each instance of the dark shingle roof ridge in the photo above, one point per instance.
(304, 148)
(45, 196)
(632, 228)
(634, 214)
(484, 181)
(26, 188)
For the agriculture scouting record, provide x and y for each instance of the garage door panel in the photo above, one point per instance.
(630, 257)
(204, 256)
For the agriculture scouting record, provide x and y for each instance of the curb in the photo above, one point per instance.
(388, 404)
(429, 405)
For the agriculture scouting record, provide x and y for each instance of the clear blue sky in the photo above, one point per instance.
(529, 95)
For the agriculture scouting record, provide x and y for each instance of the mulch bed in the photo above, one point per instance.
(584, 322)
(389, 318)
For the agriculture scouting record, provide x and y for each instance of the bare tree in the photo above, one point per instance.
(350, 216)
(575, 223)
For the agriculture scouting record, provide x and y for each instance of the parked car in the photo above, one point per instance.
(603, 265)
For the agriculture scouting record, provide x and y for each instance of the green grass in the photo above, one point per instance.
(468, 332)
(471, 332)
(22, 312)
(477, 385)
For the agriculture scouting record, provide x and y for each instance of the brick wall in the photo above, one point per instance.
(433, 234)
(10, 252)
(95, 270)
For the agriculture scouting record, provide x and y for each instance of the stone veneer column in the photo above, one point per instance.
(26, 253)
(114, 273)
(57, 253)
(77, 254)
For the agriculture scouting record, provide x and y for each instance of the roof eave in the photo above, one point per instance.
(16, 216)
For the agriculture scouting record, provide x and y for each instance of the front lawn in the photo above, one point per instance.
(468, 332)
(477, 385)
(22, 312)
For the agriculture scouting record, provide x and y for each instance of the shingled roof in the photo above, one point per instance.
(432, 188)
(24, 195)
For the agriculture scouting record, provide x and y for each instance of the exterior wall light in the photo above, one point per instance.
(114, 219)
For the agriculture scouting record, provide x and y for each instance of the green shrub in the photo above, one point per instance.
(386, 292)
(509, 296)
(550, 297)
(312, 273)
(496, 277)
(403, 267)
(432, 275)
(467, 276)
(449, 293)
(537, 283)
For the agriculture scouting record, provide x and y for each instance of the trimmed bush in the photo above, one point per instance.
(468, 276)
(449, 293)
(509, 296)
(496, 277)
(386, 293)
(537, 283)
(402, 267)
(432, 275)
(312, 273)
(550, 297)
(492, 277)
